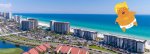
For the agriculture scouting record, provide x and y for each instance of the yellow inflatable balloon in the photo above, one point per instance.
(120, 5)
(126, 18)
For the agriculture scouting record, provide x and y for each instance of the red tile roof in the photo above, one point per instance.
(33, 51)
(83, 51)
(39, 49)
(42, 47)
(47, 45)
(58, 48)
(26, 53)
(75, 50)
(63, 49)
(69, 49)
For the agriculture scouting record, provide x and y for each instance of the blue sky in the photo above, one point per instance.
(75, 6)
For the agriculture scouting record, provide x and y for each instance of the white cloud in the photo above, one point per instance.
(5, 7)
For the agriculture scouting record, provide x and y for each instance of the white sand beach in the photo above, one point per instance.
(100, 34)
(43, 24)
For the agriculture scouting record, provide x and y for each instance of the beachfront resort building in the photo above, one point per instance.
(126, 43)
(66, 49)
(1, 14)
(78, 32)
(86, 34)
(34, 23)
(25, 25)
(6, 15)
(52, 25)
(60, 27)
(2, 19)
(17, 18)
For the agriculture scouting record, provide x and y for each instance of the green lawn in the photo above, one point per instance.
(101, 49)
(11, 51)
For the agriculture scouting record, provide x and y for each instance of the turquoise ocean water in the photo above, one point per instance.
(103, 23)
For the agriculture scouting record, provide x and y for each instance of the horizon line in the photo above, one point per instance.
(70, 13)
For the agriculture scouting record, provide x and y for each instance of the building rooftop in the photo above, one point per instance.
(47, 45)
(70, 49)
(85, 30)
(31, 19)
(26, 53)
(37, 49)
(121, 36)
(61, 22)
(33, 51)
(42, 47)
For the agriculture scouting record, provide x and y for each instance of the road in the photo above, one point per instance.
(12, 33)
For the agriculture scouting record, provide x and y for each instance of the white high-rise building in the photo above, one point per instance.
(86, 34)
(52, 25)
(25, 25)
(60, 27)
(17, 18)
(126, 43)
(34, 23)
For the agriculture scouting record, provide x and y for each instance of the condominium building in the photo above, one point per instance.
(1, 14)
(17, 18)
(90, 35)
(52, 25)
(34, 23)
(25, 25)
(86, 34)
(7, 15)
(78, 32)
(60, 27)
(126, 43)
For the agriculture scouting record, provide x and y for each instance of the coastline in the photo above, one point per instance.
(100, 32)
(71, 29)
(43, 24)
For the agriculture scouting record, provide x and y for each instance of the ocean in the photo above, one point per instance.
(103, 23)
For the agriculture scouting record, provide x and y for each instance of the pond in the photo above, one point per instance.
(6, 44)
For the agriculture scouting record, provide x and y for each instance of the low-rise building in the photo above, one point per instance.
(41, 49)
(66, 49)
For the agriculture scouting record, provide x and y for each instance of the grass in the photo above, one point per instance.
(21, 40)
(11, 51)
(101, 49)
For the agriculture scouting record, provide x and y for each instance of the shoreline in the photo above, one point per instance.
(100, 32)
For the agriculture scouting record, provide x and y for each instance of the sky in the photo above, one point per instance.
(73, 6)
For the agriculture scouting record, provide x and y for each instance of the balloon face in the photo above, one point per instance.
(126, 18)
(122, 12)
